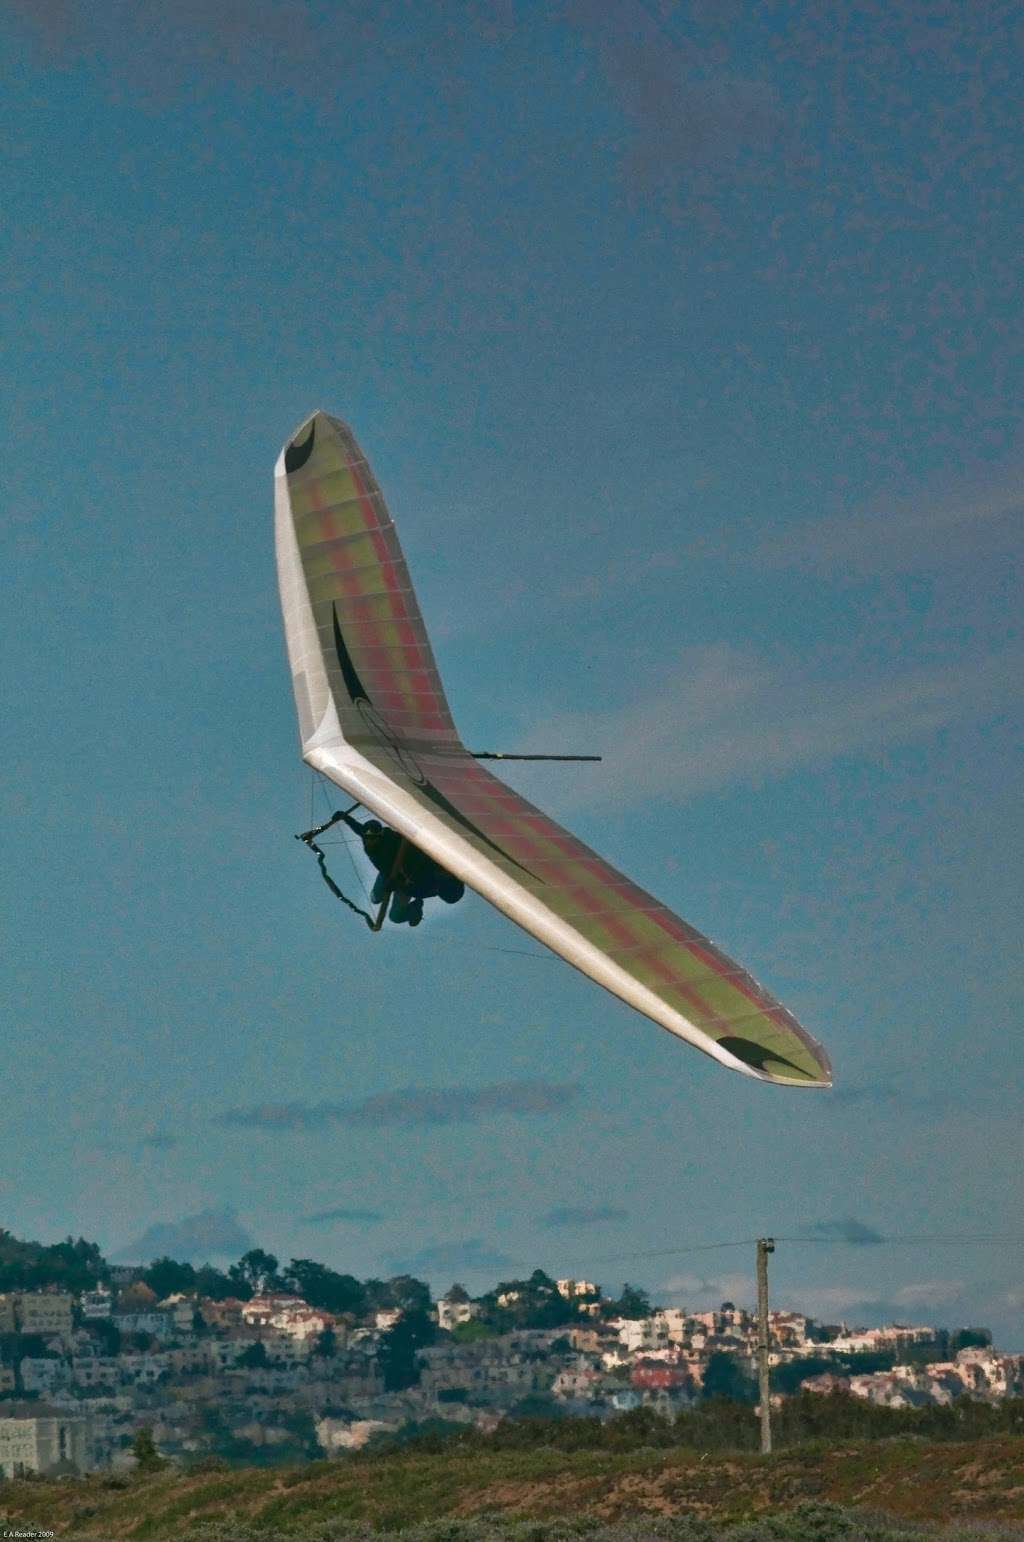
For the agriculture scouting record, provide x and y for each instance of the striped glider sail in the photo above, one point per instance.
(374, 718)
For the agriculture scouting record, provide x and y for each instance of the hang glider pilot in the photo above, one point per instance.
(404, 872)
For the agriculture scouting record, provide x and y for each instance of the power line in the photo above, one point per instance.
(746, 1242)
(860, 1242)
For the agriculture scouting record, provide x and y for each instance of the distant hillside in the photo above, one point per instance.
(978, 1481)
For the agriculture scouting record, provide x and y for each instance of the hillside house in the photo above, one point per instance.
(40, 1439)
(45, 1312)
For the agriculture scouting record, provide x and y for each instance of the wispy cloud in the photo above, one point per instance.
(829, 1302)
(416, 1105)
(856, 1233)
(195, 1238)
(342, 1213)
(929, 1293)
(470, 1256)
(979, 519)
(583, 1215)
(867, 1304)
(724, 716)
(703, 1291)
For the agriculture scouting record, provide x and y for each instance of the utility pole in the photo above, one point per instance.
(765, 1245)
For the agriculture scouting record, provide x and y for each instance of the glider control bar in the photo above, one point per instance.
(308, 837)
(501, 755)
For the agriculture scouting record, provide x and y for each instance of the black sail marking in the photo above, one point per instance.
(353, 684)
(297, 455)
(357, 693)
(450, 809)
(759, 1056)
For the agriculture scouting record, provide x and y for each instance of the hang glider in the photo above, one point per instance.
(373, 717)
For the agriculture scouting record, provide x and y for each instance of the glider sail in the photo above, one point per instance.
(374, 718)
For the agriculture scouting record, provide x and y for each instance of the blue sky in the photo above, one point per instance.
(686, 343)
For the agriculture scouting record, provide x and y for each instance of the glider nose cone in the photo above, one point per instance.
(301, 448)
(314, 434)
(303, 442)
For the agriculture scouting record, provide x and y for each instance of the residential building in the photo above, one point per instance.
(156, 1324)
(96, 1304)
(636, 1333)
(301, 1322)
(452, 1311)
(651, 1375)
(94, 1371)
(45, 1311)
(671, 1321)
(36, 1438)
(571, 1289)
(787, 1332)
(182, 1312)
(261, 1310)
(347, 1434)
(8, 1313)
(122, 1275)
(575, 1383)
(43, 1374)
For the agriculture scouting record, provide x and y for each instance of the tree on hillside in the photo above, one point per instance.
(70, 1265)
(724, 1377)
(145, 1452)
(136, 1297)
(215, 1285)
(530, 1303)
(107, 1333)
(256, 1271)
(633, 1303)
(326, 1344)
(970, 1338)
(402, 1291)
(397, 1354)
(166, 1277)
(324, 1289)
(408, 1294)
(255, 1357)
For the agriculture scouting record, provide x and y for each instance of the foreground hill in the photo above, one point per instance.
(978, 1481)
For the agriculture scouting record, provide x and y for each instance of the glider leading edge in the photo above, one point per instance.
(374, 719)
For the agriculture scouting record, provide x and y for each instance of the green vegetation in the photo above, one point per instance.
(809, 1522)
(721, 1424)
(397, 1355)
(72, 1265)
(145, 1452)
(817, 1492)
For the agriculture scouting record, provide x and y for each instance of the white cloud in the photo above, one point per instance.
(929, 1293)
(725, 716)
(978, 517)
(701, 1292)
(825, 1302)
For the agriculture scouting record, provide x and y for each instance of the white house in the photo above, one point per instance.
(453, 1311)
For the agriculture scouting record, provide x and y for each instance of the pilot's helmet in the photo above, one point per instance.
(373, 828)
